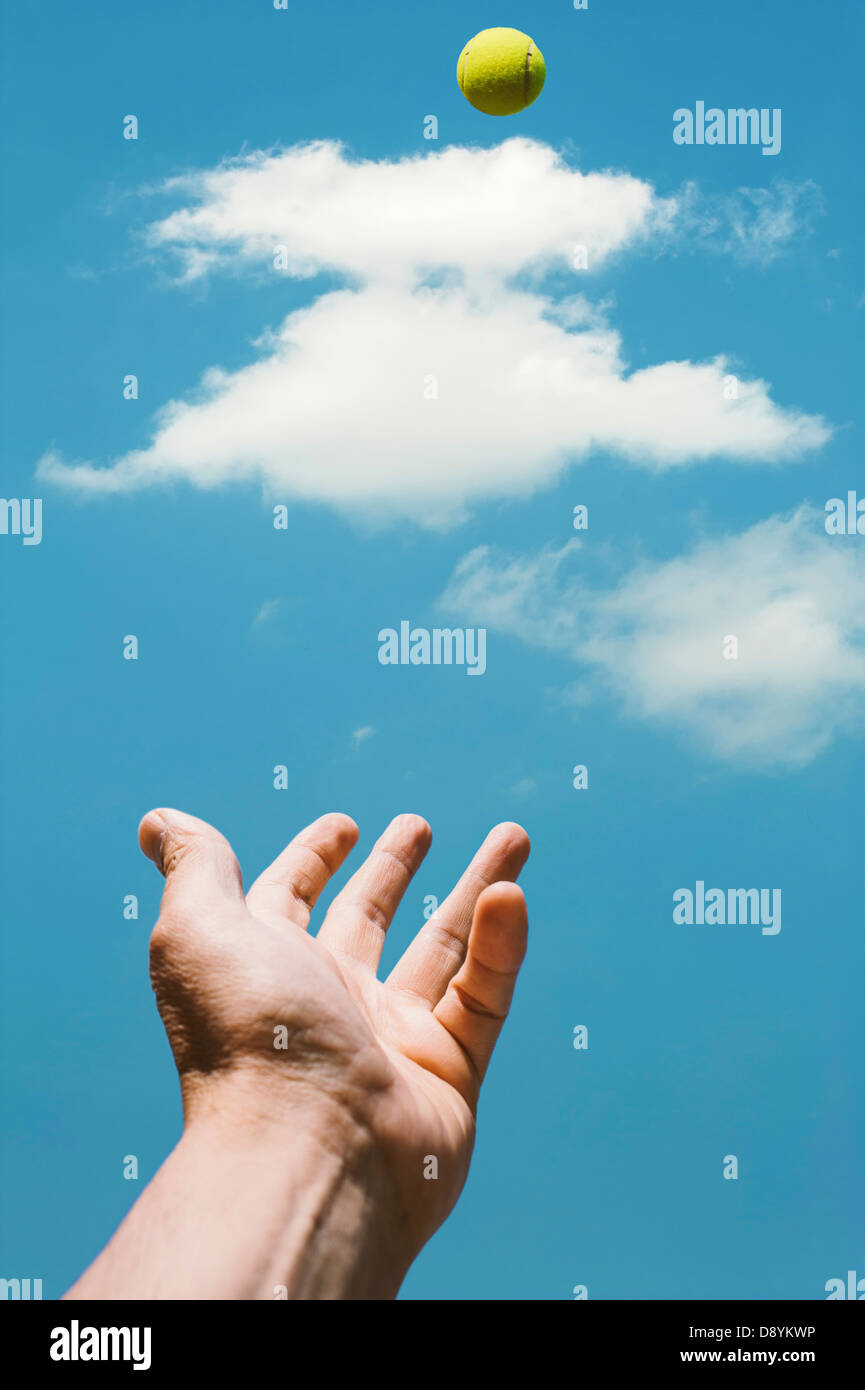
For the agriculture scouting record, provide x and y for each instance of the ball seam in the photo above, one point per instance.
(466, 51)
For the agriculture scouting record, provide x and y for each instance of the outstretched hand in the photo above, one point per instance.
(264, 1017)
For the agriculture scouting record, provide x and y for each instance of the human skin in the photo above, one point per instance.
(314, 1094)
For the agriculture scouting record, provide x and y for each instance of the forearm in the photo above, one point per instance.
(255, 1209)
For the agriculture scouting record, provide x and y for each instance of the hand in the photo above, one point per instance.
(265, 1019)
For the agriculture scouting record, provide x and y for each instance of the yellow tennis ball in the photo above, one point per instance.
(501, 71)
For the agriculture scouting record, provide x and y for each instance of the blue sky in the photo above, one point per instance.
(259, 647)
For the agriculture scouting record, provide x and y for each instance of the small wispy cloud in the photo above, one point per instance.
(361, 735)
(266, 612)
(756, 225)
(523, 788)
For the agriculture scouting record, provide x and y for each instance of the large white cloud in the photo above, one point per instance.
(483, 211)
(401, 399)
(792, 596)
(343, 407)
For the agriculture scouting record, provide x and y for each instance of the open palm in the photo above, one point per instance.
(245, 991)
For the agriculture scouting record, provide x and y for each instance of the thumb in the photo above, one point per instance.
(198, 863)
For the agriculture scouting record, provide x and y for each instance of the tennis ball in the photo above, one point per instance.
(501, 71)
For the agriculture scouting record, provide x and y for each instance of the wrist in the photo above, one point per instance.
(307, 1207)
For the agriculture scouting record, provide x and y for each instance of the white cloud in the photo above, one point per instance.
(395, 399)
(752, 225)
(268, 610)
(526, 787)
(793, 596)
(485, 211)
(335, 410)
(361, 735)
